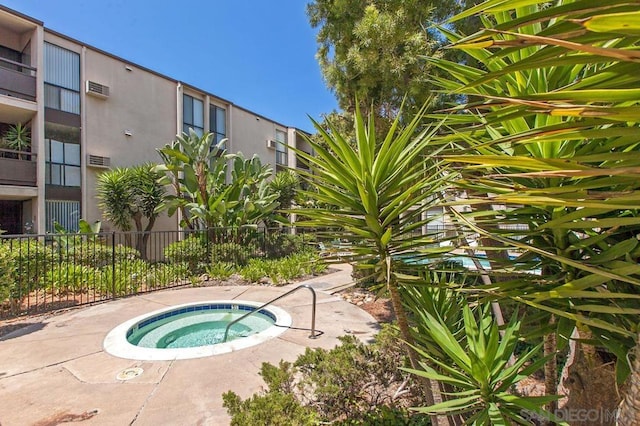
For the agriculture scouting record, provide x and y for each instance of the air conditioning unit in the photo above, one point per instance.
(98, 161)
(271, 144)
(96, 89)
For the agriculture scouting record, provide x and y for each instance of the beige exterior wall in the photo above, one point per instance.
(249, 135)
(129, 126)
(137, 118)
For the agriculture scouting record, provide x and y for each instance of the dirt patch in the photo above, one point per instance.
(378, 307)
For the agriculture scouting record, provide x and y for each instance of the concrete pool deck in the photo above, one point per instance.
(54, 369)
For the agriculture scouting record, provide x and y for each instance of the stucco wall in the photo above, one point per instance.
(140, 103)
(249, 134)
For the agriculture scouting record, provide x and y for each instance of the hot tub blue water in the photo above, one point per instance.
(196, 330)
(198, 326)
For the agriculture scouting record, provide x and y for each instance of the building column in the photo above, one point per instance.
(37, 136)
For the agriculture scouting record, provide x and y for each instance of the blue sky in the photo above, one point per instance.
(259, 54)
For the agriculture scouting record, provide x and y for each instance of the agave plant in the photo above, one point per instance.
(549, 143)
(18, 138)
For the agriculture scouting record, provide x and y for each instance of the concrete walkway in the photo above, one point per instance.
(54, 370)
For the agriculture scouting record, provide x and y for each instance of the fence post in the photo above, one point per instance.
(264, 242)
(113, 264)
(208, 235)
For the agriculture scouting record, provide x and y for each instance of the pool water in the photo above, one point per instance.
(197, 328)
(468, 262)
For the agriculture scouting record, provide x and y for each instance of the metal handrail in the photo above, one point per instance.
(258, 309)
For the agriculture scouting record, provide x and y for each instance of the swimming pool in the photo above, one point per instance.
(195, 330)
(468, 262)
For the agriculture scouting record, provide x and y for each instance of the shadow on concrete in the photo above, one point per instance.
(10, 331)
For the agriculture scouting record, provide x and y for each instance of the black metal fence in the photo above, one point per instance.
(46, 272)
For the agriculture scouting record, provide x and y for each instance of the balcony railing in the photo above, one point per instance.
(17, 168)
(17, 79)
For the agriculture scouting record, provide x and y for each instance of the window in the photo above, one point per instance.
(62, 155)
(61, 79)
(218, 124)
(281, 148)
(66, 213)
(192, 115)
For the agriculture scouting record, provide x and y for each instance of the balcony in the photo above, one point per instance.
(17, 168)
(17, 80)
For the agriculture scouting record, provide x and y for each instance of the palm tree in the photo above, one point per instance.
(376, 192)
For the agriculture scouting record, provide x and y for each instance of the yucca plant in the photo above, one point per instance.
(548, 142)
(375, 192)
(478, 368)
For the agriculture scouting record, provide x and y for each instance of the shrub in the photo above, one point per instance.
(353, 383)
(310, 262)
(129, 277)
(192, 250)
(220, 270)
(289, 268)
(8, 285)
(31, 258)
(166, 274)
(97, 255)
(67, 277)
(254, 271)
(283, 270)
(238, 254)
(273, 408)
(279, 244)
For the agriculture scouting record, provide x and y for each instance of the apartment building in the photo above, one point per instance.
(89, 110)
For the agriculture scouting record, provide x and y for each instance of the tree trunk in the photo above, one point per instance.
(551, 368)
(629, 411)
(146, 236)
(137, 219)
(431, 389)
(590, 385)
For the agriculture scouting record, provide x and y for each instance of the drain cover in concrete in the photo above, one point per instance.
(129, 373)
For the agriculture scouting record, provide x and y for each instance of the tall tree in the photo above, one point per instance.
(374, 50)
